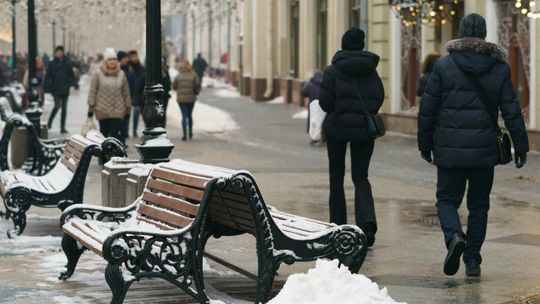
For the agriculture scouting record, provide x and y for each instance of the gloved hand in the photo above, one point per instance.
(90, 114)
(426, 155)
(520, 159)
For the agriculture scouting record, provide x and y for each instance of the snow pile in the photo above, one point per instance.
(326, 283)
(277, 100)
(227, 93)
(301, 115)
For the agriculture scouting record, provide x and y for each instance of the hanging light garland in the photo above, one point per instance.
(528, 8)
(428, 12)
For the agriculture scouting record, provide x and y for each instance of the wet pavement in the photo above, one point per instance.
(266, 140)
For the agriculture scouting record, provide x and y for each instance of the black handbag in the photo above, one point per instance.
(374, 122)
(504, 144)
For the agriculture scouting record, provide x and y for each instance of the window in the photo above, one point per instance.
(322, 20)
(354, 13)
(294, 42)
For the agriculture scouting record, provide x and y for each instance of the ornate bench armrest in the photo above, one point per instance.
(54, 142)
(148, 250)
(347, 243)
(99, 213)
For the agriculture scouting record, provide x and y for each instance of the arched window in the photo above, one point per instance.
(294, 37)
(322, 25)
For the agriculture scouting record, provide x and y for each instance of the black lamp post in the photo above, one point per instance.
(34, 110)
(154, 146)
(14, 43)
(53, 35)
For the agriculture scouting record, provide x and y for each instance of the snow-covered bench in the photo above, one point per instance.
(62, 186)
(43, 154)
(164, 232)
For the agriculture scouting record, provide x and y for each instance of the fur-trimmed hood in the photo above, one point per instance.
(477, 45)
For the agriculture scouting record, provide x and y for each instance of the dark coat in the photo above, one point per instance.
(312, 88)
(453, 121)
(59, 77)
(139, 98)
(134, 72)
(346, 119)
(199, 66)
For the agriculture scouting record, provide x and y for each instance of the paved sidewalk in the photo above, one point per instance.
(235, 132)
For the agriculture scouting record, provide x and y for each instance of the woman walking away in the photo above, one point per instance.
(187, 86)
(109, 97)
(350, 89)
(427, 68)
(458, 123)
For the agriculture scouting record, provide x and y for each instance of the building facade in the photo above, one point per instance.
(271, 48)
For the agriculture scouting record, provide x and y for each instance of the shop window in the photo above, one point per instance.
(322, 25)
(513, 33)
(354, 13)
(294, 37)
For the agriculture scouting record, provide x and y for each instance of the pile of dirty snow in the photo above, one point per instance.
(328, 283)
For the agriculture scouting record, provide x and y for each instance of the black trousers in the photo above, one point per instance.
(451, 184)
(112, 127)
(363, 199)
(60, 102)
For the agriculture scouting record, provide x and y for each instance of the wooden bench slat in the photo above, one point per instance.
(180, 178)
(155, 223)
(171, 202)
(85, 240)
(163, 215)
(227, 222)
(244, 206)
(283, 215)
(180, 190)
(73, 151)
(69, 164)
(233, 212)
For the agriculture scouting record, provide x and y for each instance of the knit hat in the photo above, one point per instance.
(473, 25)
(109, 54)
(121, 54)
(353, 39)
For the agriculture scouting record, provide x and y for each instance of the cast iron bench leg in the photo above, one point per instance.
(17, 202)
(115, 280)
(73, 253)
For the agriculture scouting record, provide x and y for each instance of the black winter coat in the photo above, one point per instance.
(59, 77)
(346, 119)
(453, 121)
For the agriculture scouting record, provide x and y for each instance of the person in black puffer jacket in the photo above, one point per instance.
(346, 123)
(454, 124)
(59, 78)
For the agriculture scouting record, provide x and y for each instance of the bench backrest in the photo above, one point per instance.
(75, 149)
(172, 197)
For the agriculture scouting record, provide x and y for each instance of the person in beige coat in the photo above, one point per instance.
(187, 86)
(109, 96)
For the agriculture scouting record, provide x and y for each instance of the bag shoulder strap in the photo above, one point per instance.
(482, 94)
(331, 69)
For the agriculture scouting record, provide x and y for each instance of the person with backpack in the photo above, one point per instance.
(351, 94)
(458, 131)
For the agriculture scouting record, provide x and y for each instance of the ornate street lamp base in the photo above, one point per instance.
(155, 146)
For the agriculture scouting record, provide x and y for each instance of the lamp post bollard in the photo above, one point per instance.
(14, 42)
(34, 110)
(154, 146)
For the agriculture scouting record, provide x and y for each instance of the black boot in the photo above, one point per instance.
(472, 268)
(369, 231)
(456, 246)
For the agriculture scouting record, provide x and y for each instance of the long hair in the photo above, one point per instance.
(429, 62)
(185, 66)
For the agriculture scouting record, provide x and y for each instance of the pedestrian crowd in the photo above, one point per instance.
(461, 94)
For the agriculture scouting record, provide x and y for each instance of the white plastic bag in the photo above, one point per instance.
(88, 125)
(316, 119)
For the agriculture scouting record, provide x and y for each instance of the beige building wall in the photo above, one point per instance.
(338, 21)
(535, 75)
(283, 29)
(308, 39)
(380, 43)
